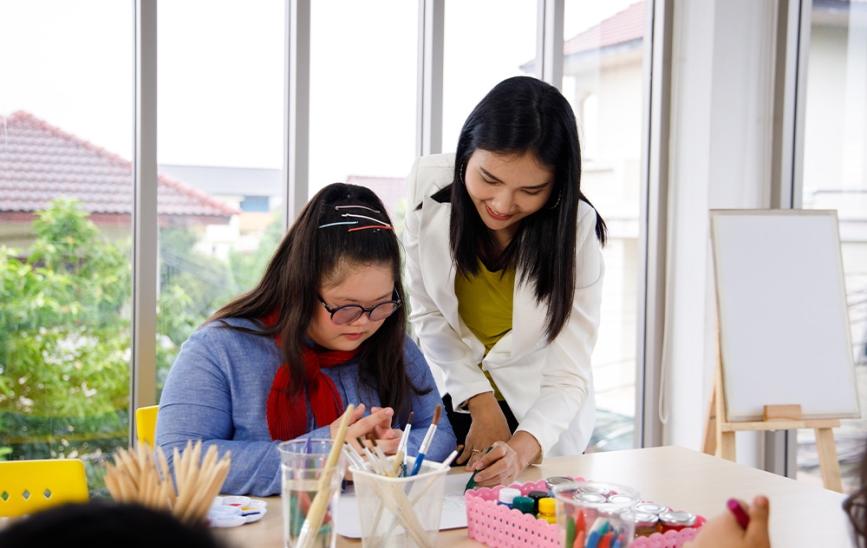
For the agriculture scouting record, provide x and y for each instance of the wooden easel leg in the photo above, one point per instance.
(828, 459)
(726, 445)
(710, 426)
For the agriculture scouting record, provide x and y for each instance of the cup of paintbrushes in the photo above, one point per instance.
(400, 511)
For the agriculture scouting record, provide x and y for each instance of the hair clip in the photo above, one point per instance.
(358, 206)
(339, 223)
(380, 227)
(365, 217)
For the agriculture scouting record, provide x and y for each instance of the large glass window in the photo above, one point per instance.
(835, 177)
(363, 58)
(66, 200)
(602, 78)
(220, 154)
(486, 41)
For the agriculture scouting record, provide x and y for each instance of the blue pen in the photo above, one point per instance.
(593, 540)
(425, 443)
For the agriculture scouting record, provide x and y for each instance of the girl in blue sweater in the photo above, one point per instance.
(325, 327)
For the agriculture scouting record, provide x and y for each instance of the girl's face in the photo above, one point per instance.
(505, 188)
(362, 284)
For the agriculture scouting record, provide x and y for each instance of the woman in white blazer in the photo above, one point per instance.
(509, 203)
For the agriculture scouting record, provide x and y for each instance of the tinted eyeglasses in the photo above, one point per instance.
(348, 313)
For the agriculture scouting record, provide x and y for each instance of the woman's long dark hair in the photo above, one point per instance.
(855, 505)
(520, 115)
(309, 255)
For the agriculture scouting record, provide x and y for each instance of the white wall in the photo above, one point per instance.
(723, 58)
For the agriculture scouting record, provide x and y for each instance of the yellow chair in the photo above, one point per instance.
(27, 486)
(146, 424)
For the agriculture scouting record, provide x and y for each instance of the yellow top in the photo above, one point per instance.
(485, 306)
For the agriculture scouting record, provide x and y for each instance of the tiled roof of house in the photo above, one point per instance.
(629, 24)
(39, 162)
(624, 26)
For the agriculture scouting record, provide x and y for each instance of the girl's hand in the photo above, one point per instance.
(378, 423)
(489, 425)
(723, 531)
(387, 438)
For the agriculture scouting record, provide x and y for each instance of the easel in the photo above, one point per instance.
(771, 345)
(719, 434)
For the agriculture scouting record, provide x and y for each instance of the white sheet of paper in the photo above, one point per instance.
(453, 516)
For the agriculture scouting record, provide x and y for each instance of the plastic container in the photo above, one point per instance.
(401, 511)
(592, 513)
(500, 526)
(302, 463)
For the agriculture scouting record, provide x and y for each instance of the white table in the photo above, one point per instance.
(801, 515)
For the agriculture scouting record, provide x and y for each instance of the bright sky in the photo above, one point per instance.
(70, 62)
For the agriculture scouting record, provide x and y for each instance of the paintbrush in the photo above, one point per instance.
(428, 438)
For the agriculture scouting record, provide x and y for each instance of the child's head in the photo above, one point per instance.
(335, 281)
(101, 523)
(354, 277)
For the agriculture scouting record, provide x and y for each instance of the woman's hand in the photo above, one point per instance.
(377, 423)
(502, 464)
(723, 531)
(489, 425)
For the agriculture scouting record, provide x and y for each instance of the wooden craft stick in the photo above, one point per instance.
(177, 462)
(111, 482)
(392, 496)
(206, 475)
(313, 521)
(127, 489)
(211, 489)
(131, 465)
(186, 462)
(190, 470)
(139, 475)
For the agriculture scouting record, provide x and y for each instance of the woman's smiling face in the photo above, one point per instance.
(506, 188)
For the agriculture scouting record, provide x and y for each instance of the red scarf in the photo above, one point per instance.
(287, 414)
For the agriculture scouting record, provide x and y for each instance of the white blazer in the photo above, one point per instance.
(548, 386)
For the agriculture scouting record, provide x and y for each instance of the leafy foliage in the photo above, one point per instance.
(65, 330)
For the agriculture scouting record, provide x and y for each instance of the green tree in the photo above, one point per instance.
(248, 268)
(64, 339)
(65, 328)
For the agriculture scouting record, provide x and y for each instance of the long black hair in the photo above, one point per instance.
(855, 505)
(309, 255)
(523, 114)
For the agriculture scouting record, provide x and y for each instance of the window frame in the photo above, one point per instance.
(431, 20)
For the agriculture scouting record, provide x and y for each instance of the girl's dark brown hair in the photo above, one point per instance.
(309, 256)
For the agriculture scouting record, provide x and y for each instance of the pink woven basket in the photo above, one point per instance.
(501, 526)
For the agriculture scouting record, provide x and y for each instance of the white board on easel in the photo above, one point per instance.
(783, 318)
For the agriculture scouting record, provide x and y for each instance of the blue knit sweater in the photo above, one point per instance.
(217, 389)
